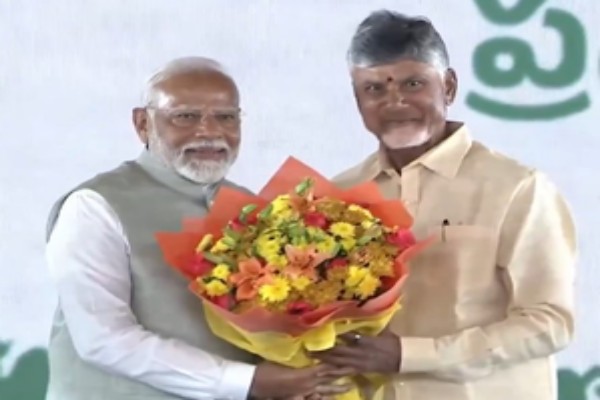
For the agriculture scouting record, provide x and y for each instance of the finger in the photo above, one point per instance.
(343, 351)
(349, 337)
(323, 369)
(330, 390)
(351, 363)
(340, 372)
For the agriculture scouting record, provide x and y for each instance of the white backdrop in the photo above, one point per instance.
(70, 72)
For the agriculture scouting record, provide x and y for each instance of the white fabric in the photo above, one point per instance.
(88, 257)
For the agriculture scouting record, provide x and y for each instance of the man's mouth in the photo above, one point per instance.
(401, 121)
(207, 153)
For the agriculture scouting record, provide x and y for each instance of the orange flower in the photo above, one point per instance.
(252, 274)
(303, 261)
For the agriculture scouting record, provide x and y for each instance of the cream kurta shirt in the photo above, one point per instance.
(488, 304)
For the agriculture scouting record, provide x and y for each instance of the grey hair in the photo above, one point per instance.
(176, 67)
(387, 36)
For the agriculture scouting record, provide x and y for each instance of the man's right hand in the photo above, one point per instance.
(276, 381)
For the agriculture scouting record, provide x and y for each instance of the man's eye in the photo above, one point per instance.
(186, 116)
(226, 116)
(413, 84)
(374, 87)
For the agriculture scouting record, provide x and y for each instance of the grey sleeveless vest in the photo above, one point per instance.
(147, 198)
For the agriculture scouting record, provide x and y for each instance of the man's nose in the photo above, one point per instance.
(208, 127)
(395, 96)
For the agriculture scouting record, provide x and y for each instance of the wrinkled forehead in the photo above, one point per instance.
(196, 90)
(398, 71)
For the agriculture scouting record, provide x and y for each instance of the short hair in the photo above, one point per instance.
(179, 66)
(387, 36)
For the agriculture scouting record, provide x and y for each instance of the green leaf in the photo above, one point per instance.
(229, 261)
(336, 249)
(212, 258)
(304, 186)
(364, 240)
(249, 208)
(266, 212)
(246, 210)
(230, 242)
(232, 234)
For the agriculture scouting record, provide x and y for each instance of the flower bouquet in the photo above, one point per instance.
(282, 274)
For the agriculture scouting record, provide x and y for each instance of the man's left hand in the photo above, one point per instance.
(365, 354)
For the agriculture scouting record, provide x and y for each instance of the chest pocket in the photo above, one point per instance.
(461, 259)
(463, 253)
(448, 280)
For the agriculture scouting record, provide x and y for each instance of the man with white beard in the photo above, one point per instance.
(126, 327)
(487, 306)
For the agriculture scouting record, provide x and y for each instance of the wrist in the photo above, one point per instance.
(255, 391)
(236, 381)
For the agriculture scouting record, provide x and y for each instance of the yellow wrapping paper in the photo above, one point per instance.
(292, 351)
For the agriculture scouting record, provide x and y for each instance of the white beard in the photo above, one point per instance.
(204, 172)
(397, 140)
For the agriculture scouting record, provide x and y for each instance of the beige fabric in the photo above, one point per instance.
(489, 303)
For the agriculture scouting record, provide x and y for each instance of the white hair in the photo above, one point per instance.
(199, 171)
(176, 67)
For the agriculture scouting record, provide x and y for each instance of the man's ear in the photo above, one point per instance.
(451, 85)
(139, 117)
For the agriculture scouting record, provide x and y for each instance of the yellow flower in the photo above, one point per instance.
(266, 249)
(216, 288)
(281, 203)
(337, 274)
(221, 271)
(204, 243)
(355, 275)
(368, 223)
(277, 260)
(361, 282)
(326, 245)
(220, 247)
(315, 233)
(382, 266)
(323, 292)
(342, 229)
(282, 209)
(367, 287)
(348, 243)
(271, 234)
(301, 283)
(358, 209)
(276, 291)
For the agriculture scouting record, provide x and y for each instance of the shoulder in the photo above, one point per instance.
(84, 211)
(359, 173)
(526, 187)
(85, 201)
(485, 164)
(236, 186)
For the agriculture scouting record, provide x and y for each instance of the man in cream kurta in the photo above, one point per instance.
(490, 302)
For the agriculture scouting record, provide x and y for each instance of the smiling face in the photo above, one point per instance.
(404, 103)
(193, 124)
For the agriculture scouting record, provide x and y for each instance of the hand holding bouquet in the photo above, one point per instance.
(284, 273)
